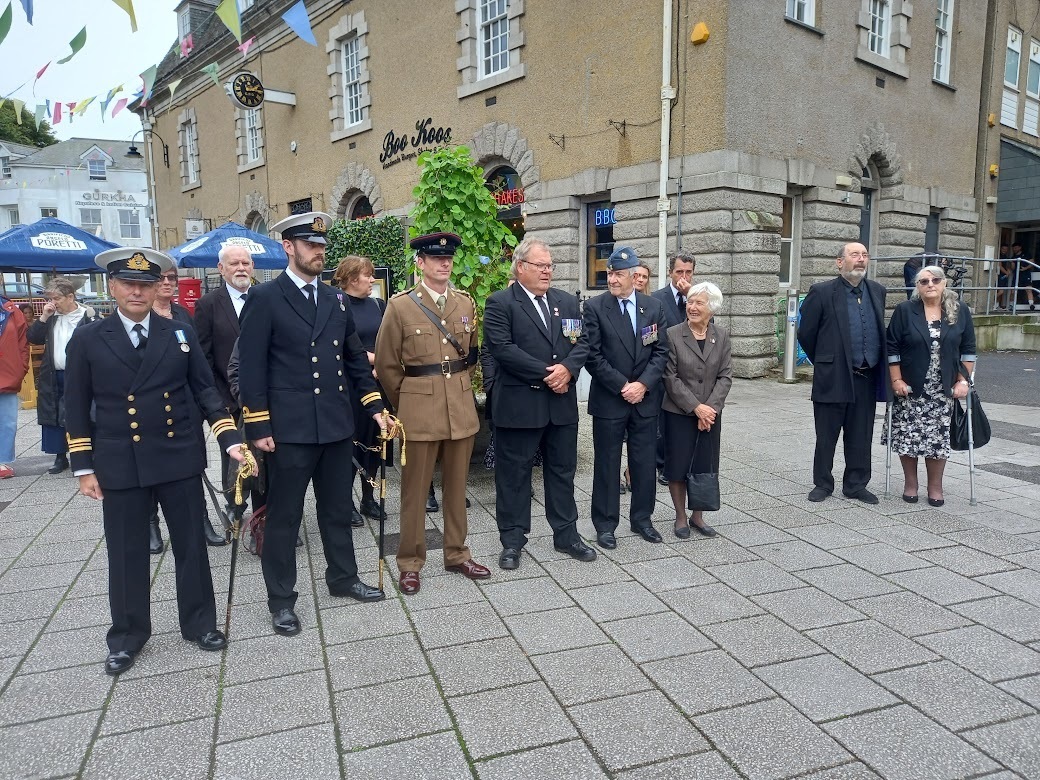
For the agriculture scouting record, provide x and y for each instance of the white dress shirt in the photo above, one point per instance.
(301, 283)
(534, 303)
(238, 298)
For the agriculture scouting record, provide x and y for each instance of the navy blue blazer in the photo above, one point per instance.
(671, 311)
(910, 346)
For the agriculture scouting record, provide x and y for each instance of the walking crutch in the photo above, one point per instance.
(888, 450)
(971, 440)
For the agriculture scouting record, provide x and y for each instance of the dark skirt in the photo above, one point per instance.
(681, 439)
(52, 437)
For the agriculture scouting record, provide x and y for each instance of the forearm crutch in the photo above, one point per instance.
(968, 402)
(888, 449)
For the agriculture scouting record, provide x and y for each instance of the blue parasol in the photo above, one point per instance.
(202, 252)
(50, 246)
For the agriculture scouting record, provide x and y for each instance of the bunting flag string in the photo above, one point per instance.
(76, 44)
(128, 6)
(5, 21)
(297, 19)
(228, 13)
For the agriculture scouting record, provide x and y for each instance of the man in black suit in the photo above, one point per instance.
(842, 331)
(299, 361)
(628, 350)
(673, 297)
(135, 386)
(535, 335)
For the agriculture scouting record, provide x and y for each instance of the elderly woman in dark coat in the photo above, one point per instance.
(62, 314)
(931, 348)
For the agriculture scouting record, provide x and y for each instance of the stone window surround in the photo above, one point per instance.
(898, 39)
(468, 37)
(185, 118)
(242, 141)
(348, 25)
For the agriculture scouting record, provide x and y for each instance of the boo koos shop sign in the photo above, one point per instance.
(427, 137)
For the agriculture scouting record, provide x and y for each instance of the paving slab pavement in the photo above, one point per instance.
(831, 640)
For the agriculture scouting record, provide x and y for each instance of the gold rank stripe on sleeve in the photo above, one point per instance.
(370, 398)
(223, 425)
(82, 444)
(255, 417)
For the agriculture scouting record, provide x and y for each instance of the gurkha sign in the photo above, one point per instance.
(426, 138)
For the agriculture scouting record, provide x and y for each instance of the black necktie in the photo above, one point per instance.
(680, 302)
(544, 309)
(142, 340)
(858, 293)
(309, 289)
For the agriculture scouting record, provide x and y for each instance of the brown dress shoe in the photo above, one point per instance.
(409, 582)
(471, 569)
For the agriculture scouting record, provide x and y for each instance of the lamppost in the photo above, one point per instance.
(133, 154)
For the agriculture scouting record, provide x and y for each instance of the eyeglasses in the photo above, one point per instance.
(929, 280)
(541, 267)
(168, 277)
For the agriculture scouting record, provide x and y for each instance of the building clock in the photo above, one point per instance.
(246, 90)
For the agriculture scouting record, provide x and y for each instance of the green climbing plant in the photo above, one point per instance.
(380, 239)
(451, 197)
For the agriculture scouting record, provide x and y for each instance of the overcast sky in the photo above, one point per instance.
(113, 55)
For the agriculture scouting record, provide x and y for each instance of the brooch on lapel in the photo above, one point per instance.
(642, 310)
(556, 311)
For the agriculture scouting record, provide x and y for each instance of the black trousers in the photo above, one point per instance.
(607, 436)
(515, 449)
(257, 497)
(855, 421)
(126, 536)
(290, 468)
(662, 442)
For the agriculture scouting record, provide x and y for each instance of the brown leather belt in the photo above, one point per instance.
(445, 368)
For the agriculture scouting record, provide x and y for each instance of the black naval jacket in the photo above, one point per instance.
(144, 428)
(297, 364)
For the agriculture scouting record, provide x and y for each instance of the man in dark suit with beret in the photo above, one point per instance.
(628, 350)
(135, 386)
(299, 361)
(535, 335)
(842, 331)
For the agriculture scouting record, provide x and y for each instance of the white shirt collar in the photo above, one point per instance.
(301, 283)
(128, 323)
(675, 292)
(234, 292)
(530, 294)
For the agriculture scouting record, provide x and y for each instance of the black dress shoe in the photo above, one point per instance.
(285, 622)
(818, 494)
(119, 662)
(370, 508)
(681, 531)
(210, 641)
(467, 503)
(155, 543)
(213, 539)
(704, 530)
(60, 464)
(863, 495)
(299, 538)
(606, 540)
(509, 558)
(648, 532)
(431, 502)
(356, 520)
(662, 479)
(579, 551)
(909, 499)
(358, 591)
(935, 501)
(624, 487)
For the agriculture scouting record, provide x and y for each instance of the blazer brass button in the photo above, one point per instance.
(131, 410)
(165, 395)
(169, 422)
(314, 359)
(169, 408)
(317, 390)
(169, 435)
(315, 374)
(136, 437)
(133, 425)
(129, 398)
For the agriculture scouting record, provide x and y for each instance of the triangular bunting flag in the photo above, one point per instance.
(244, 48)
(120, 105)
(186, 46)
(211, 70)
(81, 106)
(173, 86)
(2, 101)
(5, 21)
(40, 115)
(28, 6)
(76, 43)
(108, 98)
(228, 13)
(297, 19)
(18, 106)
(148, 77)
(57, 114)
(128, 6)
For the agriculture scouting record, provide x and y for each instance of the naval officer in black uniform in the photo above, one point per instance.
(300, 359)
(134, 387)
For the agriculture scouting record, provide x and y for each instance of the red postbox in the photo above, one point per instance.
(189, 290)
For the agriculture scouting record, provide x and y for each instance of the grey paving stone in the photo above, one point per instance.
(908, 538)
(246, 711)
(703, 765)
(988, 654)
(361, 621)
(668, 574)
(47, 748)
(941, 585)
(39, 577)
(544, 762)
(870, 646)
(55, 650)
(957, 699)
(653, 730)
(967, 561)
(715, 552)
(457, 625)
(830, 536)
(29, 605)
(792, 556)
(370, 661)
(806, 608)
(178, 750)
(495, 663)
(855, 517)
(771, 740)
(824, 688)
(617, 600)
(534, 594)
(757, 641)
(367, 720)
(510, 719)
(440, 589)
(706, 682)
(1025, 688)
(167, 653)
(880, 558)
(902, 744)
(754, 532)
(755, 577)
(439, 755)
(55, 693)
(7, 667)
(1030, 559)
(854, 771)
(992, 542)
(706, 604)
(846, 582)
(133, 704)
(570, 573)
(91, 582)
(660, 635)
(22, 635)
(300, 754)
(66, 551)
(546, 632)
(588, 673)
(909, 614)
(81, 613)
(1006, 615)
(1023, 583)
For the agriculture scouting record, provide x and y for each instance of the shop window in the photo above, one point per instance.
(508, 191)
(884, 35)
(129, 223)
(490, 37)
(803, 11)
(361, 208)
(1012, 67)
(348, 47)
(48, 212)
(96, 170)
(90, 219)
(943, 40)
(599, 220)
(301, 206)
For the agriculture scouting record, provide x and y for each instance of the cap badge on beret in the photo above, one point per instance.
(137, 262)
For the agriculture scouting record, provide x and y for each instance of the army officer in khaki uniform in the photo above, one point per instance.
(425, 353)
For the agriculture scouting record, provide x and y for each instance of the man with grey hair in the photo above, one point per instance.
(842, 331)
(534, 332)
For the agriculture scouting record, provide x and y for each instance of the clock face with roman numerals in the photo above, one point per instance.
(247, 90)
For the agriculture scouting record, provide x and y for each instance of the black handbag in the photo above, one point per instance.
(702, 490)
(980, 427)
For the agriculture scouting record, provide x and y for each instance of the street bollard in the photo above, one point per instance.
(791, 337)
